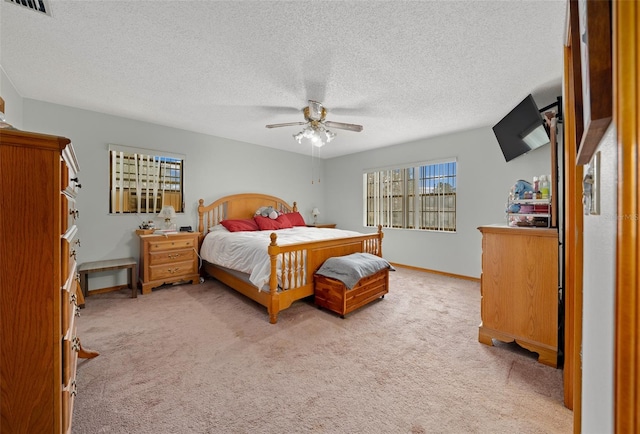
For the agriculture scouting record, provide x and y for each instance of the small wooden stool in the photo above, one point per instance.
(130, 264)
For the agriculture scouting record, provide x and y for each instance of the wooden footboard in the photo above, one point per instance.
(298, 262)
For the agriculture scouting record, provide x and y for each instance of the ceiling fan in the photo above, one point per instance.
(316, 126)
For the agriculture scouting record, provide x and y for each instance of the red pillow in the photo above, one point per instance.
(296, 218)
(284, 221)
(267, 224)
(240, 225)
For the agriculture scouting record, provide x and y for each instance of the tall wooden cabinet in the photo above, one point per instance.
(38, 283)
(519, 287)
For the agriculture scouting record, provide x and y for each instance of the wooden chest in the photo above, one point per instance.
(332, 294)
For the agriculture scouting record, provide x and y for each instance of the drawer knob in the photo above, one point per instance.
(174, 256)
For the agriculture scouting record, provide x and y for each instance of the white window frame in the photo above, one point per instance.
(388, 198)
(156, 178)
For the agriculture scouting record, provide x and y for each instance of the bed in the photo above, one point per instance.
(291, 266)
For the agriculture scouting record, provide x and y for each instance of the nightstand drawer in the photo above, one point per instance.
(166, 271)
(171, 256)
(168, 244)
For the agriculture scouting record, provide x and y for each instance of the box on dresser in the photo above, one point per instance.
(39, 288)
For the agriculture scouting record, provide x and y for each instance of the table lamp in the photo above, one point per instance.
(315, 213)
(167, 213)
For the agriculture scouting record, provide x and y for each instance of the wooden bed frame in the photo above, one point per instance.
(243, 206)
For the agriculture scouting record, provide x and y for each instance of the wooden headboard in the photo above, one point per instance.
(237, 206)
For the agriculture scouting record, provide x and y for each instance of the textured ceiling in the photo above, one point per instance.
(404, 70)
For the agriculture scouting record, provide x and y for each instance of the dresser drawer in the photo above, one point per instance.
(68, 311)
(171, 256)
(156, 246)
(69, 212)
(68, 396)
(167, 271)
(70, 349)
(68, 251)
(69, 301)
(67, 408)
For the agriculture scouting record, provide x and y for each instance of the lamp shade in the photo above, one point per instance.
(167, 212)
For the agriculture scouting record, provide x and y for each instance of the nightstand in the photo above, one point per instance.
(168, 258)
(321, 225)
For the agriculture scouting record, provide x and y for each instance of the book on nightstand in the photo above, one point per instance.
(165, 231)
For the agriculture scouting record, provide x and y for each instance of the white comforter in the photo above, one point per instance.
(247, 251)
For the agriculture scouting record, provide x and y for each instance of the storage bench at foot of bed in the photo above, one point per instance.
(332, 294)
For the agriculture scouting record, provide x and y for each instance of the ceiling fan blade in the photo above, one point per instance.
(343, 126)
(288, 124)
(315, 110)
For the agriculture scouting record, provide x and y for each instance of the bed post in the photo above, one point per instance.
(380, 235)
(200, 214)
(274, 297)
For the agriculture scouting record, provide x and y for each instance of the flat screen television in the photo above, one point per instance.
(522, 130)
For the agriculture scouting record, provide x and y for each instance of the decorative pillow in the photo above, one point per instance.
(295, 218)
(268, 224)
(240, 225)
(218, 227)
(284, 220)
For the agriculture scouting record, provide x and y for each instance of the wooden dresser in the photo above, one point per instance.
(39, 293)
(519, 287)
(168, 258)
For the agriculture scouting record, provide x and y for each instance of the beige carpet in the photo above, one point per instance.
(204, 359)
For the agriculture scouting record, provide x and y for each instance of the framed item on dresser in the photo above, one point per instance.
(594, 29)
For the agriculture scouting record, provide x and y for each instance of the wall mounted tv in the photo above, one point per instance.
(522, 130)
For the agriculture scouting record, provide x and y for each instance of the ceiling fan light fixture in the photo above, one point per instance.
(315, 132)
(317, 135)
(330, 135)
(317, 141)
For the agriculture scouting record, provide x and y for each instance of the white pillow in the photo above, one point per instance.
(218, 227)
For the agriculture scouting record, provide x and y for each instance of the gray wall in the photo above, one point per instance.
(484, 180)
(12, 100)
(598, 325)
(214, 167)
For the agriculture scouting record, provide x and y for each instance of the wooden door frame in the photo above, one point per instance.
(573, 222)
(626, 56)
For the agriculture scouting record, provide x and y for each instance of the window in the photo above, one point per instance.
(420, 196)
(142, 181)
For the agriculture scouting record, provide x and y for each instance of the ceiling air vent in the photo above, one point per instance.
(34, 5)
